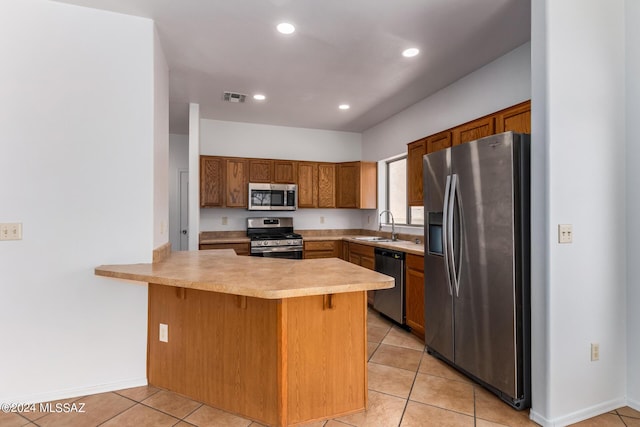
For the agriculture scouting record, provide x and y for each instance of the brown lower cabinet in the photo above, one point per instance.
(414, 297)
(279, 361)
(362, 255)
(322, 249)
(240, 248)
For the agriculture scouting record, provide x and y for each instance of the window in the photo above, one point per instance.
(397, 190)
(397, 195)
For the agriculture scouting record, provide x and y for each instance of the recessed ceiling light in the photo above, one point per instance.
(286, 28)
(411, 52)
(344, 106)
(259, 97)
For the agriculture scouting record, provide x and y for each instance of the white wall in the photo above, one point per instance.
(582, 101)
(77, 120)
(178, 161)
(221, 138)
(194, 176)
(632, 14)
(161, 144)
(303, 219)
(540, 350)
(499, 84)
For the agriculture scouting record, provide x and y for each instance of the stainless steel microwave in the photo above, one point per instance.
(273, 197)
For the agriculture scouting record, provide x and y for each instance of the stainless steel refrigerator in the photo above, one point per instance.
(476, 264)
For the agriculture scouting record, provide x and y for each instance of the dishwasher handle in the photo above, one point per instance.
(389, 253)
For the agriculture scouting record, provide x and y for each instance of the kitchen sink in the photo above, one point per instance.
(374, 239)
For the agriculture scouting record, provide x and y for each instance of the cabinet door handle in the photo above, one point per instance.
(242, 301)
(327, 302)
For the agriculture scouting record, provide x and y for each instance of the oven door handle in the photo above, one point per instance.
(275, 249)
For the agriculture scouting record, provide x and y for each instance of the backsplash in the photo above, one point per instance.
(303, 219)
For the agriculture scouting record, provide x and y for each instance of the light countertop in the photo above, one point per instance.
(270, 278)
(407, 246)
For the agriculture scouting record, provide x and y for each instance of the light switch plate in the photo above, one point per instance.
(595, 352)
(565, 233)
(11, 231)
(164, 332)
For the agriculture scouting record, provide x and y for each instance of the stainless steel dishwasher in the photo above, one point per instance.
(390, 302)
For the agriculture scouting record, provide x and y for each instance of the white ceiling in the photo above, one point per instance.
(344, 51)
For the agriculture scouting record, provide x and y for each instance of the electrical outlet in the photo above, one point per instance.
(164, 332)
(225, 220)
(595, 352)
(11, 231)
(565, 233)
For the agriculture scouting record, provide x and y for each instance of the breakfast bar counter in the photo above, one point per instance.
(279, 341)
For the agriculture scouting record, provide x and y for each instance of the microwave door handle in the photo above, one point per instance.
(445, 233)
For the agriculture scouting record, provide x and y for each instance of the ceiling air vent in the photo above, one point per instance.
(234, 97)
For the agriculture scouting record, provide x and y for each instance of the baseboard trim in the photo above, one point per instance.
(581, 415)
(633, 404)
(78, 391)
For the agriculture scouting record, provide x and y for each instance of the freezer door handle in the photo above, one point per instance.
(445, 232)
(455, 271)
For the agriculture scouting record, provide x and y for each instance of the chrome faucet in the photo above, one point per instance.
(394, 236)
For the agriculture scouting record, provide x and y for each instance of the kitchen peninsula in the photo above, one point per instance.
(279, 341)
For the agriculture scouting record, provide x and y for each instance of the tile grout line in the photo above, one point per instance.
(166, 413)
(415, 377)
(119, 413)
(475, 418)
(195, 409)
(29, 421)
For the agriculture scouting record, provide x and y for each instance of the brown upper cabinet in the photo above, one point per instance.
(415, 151)
(316, 185)
(211, 181)
(307, 185)
(223, 181)
(260, 170)
(516, 119)
(326, 185)
(236, 179)
(357, 185)
(473, 130)
(285, 171)
(439, 141)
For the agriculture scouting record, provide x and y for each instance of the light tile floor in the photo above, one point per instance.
(407, 388)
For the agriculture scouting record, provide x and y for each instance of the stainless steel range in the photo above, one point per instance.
(274, 238)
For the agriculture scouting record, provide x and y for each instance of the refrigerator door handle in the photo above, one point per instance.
(445, 233)
(451, 198)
